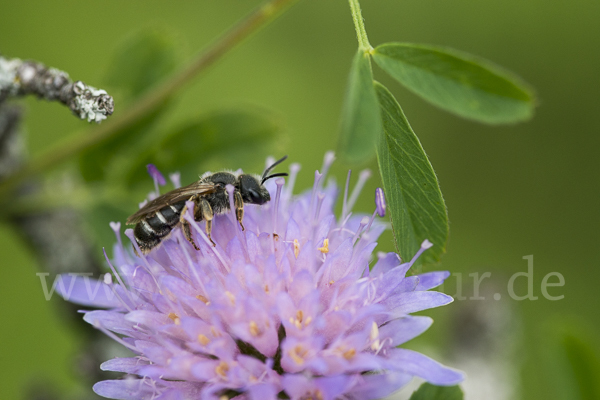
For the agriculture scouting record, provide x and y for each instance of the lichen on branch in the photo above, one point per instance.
(20, 77)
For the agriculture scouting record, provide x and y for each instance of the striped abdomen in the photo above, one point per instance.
(150, 231)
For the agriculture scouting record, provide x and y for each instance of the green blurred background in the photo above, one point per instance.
(511, 191)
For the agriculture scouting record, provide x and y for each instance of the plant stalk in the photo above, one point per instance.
(359, 26)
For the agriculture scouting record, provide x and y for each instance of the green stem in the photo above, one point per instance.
(258, 19)
(359, 26)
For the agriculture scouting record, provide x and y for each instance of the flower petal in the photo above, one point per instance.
(126, 365)
(126, 389)
(113, 321)
(424, 367)
(327, 388)
(86, 291)
(385, 262)
(378, 386)
(263, 391)
(402, 330)
(409, 302)
(430, 280)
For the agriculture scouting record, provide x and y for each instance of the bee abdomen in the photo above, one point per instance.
(150, 231)
(145, 238)
(171, 214)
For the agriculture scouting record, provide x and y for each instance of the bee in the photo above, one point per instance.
(155, 220)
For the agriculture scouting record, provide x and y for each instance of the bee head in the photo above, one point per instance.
(252, 191)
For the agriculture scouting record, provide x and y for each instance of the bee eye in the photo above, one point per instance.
(254, 196)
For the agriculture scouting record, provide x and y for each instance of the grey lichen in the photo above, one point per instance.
(19, 78)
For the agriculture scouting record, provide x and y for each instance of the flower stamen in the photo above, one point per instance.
(380, 202)
(189, 217)
(118, 276)
(175, 318)
(363, 222)
(175, 179)
(364, 176)
(300, 322)
(203, 299)
(116, 227)
(320, 198)
(279, 182)
(253, 328)
(298, 354)
(318, 177)
(203, 339)
(108, 281)
(231, 297)
(222, 369)
(328, 159)
(157, 177)
(289, 190)
(345, 200)
(374, 336)
(349, 354)
(325, 248)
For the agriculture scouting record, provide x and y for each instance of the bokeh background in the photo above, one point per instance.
(511, 191)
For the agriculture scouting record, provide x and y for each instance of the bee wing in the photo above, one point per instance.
(172, 197)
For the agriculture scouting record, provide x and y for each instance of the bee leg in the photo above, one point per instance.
(185, 226)
(239, 208)
(207, 215)
(187, 232)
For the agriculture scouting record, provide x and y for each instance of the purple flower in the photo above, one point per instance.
(287, 307)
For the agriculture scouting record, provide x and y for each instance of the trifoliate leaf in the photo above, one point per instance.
(465, 85)
(361, 123)
(411, 188)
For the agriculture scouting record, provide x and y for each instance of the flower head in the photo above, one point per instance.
(287, 307)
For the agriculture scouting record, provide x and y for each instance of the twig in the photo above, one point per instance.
(19, 78)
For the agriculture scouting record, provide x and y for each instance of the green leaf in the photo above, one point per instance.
(360, 123)
(470, 87)
(142, 60)
(232, 136)
(428, 391)
(411, 188)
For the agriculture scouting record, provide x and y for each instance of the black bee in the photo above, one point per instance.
(158, 218)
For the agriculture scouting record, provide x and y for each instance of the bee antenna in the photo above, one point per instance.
(269, 168)
(273, 176)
